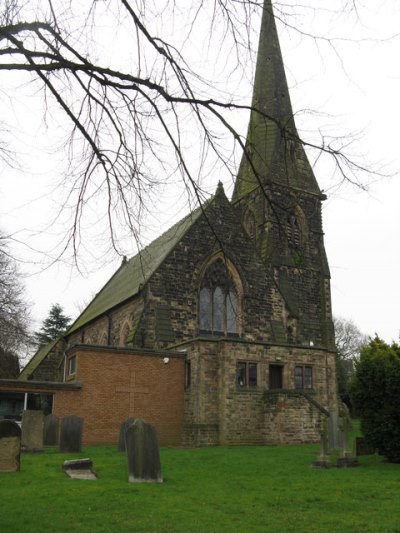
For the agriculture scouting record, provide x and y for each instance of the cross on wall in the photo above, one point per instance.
(132, 390)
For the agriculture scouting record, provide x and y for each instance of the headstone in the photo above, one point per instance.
(71, 434)
(323, 458)
(51, 430)
(333, 431)
(345, 426)
(10, 446)
(79, 469)
(143, 453)
(32, 431)
(122, 430)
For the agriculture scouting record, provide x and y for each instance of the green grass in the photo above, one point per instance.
(253, 489)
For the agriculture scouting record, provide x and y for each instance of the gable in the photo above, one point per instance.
(135, 273)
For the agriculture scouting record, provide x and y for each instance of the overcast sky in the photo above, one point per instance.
(353, 87)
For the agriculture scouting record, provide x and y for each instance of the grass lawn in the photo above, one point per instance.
(208, 489)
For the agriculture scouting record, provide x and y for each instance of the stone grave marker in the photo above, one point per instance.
(122, 430)
(32, 431)
(345, 426)
(323, 458)
(71, 434)
(333, 431)
(51, 430)
(10, 446)
(79, 469)
(143, 453)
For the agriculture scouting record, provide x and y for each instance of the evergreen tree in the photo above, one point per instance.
(55, 324)
(375, 393)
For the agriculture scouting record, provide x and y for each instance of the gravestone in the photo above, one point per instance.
(323, 458)
(122, 430)
(143, 453)
(51, 430)
(32, 431)
(334, 440)
(71, 434)
(79, 469)
(10, 446)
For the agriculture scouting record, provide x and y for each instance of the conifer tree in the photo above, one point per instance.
(55, 324)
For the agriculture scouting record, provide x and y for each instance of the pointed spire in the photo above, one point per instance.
(271, 139)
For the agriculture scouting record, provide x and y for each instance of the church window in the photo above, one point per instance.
(231, 311)
(205, 309)
(246, 374)
(249, 224)
(218, 310)
(303, 377)
(275, 376)
(218, 301)
(72, 365)
(188, 374)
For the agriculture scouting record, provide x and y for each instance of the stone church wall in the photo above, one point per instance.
(218, 411)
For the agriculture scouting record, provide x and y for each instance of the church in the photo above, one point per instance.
(220, 331)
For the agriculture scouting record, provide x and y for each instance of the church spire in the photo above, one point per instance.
(275, 154)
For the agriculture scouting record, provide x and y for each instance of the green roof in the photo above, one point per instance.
(133, 274)
(38, 358)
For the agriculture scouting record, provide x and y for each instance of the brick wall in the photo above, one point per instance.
(117, 384)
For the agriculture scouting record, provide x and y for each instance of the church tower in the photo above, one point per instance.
(279, 201)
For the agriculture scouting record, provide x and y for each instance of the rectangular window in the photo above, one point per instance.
(303, 377)
(188, 374)
(246, 374)
(72, 365)
(275, 376)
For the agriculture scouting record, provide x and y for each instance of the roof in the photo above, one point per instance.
(273, 155)
(35, 361)
(134, 273)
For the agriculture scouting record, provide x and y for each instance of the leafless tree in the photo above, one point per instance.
(15, 338)
(139, 111)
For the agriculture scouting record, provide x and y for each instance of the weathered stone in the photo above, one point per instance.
(333, 430)
(51, 431)
(10, 446)
(143, 453)
(122, 430)
(79, 469)
(71, 434)
(32, 431)
(323, 458)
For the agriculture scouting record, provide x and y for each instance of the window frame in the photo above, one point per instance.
(188, 374)
(72, 364)
(304, 378)
(248, 378)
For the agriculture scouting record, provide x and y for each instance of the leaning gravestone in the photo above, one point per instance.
(32, 431)
(334, 441)
(143, 453)
(51, 430)
(79, 469)
(10, 446)
(71, 434)
(122, 430)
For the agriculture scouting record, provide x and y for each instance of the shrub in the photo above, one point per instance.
(375, 393)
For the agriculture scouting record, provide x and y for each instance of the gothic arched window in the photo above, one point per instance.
(218, 301)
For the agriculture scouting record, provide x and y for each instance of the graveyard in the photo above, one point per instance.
(243, 488)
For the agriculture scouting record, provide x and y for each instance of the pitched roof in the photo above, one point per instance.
(38, 358)
(271, 142)
(133, 274)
